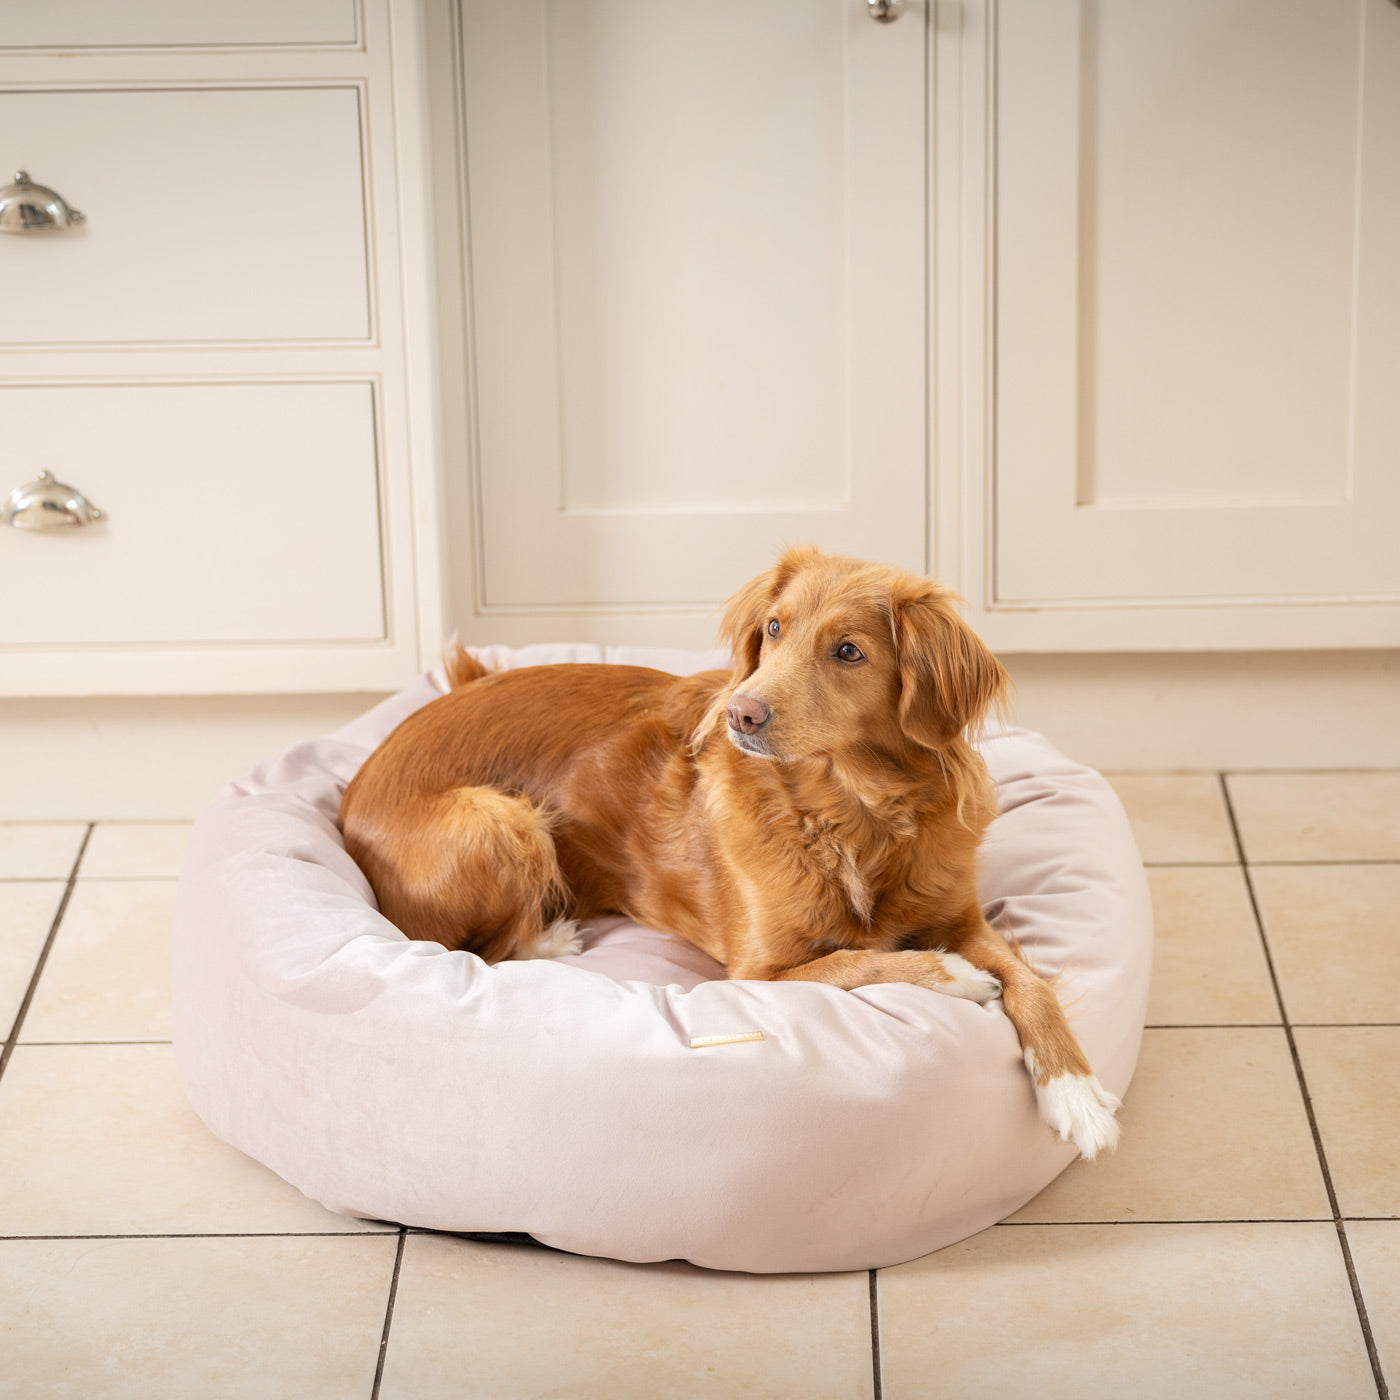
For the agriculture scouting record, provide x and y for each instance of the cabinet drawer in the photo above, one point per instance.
(212, 215)
(93, 24)
(235, 513)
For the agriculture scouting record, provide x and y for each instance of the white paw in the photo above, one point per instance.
(964, 980)
(1079, 1110)
(558, 940)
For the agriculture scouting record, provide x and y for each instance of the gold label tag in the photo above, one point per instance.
(704, 1042)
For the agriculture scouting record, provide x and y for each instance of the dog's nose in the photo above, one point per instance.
(747, 714)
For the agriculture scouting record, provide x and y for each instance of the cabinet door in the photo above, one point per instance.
(1198, 318)
(697, 282)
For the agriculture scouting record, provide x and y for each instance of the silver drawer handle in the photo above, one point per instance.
(887, 11)
(29, 208)
(48, 504)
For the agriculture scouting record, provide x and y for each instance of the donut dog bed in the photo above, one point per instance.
(628, 1100)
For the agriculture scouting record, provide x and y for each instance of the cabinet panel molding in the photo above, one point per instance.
(1184, 399)
(219, 527)
(264, 345)
(175, 24)
(697, 260)
(204, 221)
(1166, 312)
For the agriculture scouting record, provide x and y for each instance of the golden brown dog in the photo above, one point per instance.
(815, 815)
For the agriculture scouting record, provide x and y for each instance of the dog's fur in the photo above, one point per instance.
(816, 815)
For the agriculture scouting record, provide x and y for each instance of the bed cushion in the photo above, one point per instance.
(598, 1101)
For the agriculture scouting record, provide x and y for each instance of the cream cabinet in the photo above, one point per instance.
(1085, 306)
(164, 24)
(1177, 234)
(238, 216)
(269, 534)
(696, 298)
(232, 356)
(1088, 307)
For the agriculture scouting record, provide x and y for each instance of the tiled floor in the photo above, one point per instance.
(1245, 1241)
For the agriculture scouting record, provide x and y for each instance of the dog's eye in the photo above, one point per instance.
(849, 651)
(772, 626)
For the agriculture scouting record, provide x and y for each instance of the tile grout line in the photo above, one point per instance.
(148, 879)
(1249, 1025)
(388, 1315)
(1344, 1025)
(29, 991)
(875, 1333)
(52, 1044)
(1260, 864)
(218, 1235)
(1324, 864)
(1382, 1390)
(1217, 1026)
(1205, 772)
(1152, 1221)
(1350, 771)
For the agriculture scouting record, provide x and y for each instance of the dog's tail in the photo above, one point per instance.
(461, 666)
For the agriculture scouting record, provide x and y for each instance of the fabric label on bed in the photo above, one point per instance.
(704, 1042)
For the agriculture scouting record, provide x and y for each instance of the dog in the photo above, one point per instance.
(814, 815)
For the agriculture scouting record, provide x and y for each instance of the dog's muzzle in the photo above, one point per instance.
(748, 720)
(747, 713)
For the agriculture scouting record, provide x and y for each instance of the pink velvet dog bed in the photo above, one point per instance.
(398, 1081)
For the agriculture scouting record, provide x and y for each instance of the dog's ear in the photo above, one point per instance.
(948, 677)
(747, 612)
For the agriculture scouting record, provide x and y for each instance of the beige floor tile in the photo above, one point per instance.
(1208, 964)
(145, 849)
(206, 1318)
(26, 915)
(1214, 1128)
(39, 850)
(525, 1323)
(1334, 931)
(1318, 816)
(1155, 1312)
(1177, 818)
(1375, 1250)
(108, 973)
(1353, 1075)
(99, 1140)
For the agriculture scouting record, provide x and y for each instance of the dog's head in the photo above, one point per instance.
(832, 656)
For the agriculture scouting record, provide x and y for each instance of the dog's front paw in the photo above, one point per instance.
(1079, 1110)
(964, 980)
